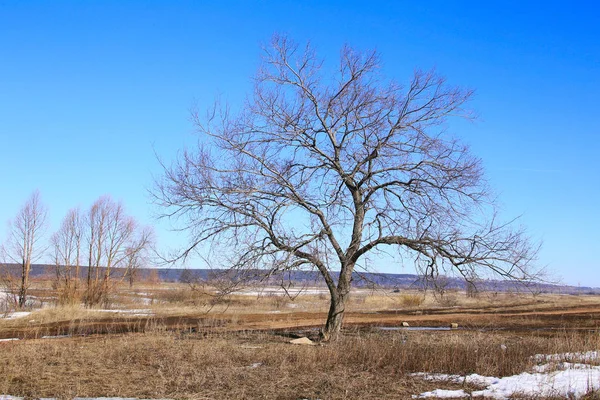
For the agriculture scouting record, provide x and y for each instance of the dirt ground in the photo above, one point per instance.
(543, 314)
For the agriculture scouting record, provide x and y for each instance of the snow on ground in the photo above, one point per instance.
(588, 356)
(568, 380)
(134, 312)
(56, 336)
(5, 300)
(17, 314)
(281, 292)
(559, 366)
(414, 328)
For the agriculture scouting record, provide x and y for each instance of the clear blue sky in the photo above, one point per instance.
(89, 90)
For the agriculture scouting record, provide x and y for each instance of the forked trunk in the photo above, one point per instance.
(335, 318)
(337, 306)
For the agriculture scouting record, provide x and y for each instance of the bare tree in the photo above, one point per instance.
(24, 247)
(136, 253)
(67, 243)
(112, 240)
(318, 171)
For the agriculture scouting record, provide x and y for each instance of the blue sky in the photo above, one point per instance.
(89, 91)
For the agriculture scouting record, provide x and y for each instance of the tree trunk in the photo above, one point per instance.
(337, 307)
(24, 284)
(131, 278)
(335, 318)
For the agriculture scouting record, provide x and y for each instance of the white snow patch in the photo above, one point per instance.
(414, 328)
(134, 312)
(559, 366)
(9, 340)
(281, 292)
(588, 356)
(17, 314)
(56, 336)
(443, 394)
(473, 379)
(568, 380)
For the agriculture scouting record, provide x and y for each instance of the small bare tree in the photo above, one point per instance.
(318, 171)
(136, 254)
(25, 234)
(112, 240)
(67, 243)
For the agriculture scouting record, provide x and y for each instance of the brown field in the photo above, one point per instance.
(176, 343)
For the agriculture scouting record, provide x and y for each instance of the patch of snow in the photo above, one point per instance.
(443, 394)
(281, 292)
(8, 340)
(573, 382)
(56, 336)
(17, 314)
(473, 379)
(414, 328)
(588, 356)
(559, 366)
(134, 312)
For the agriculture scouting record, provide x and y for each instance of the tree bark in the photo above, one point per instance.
(335, 318)
(337, 307)
(24, 285)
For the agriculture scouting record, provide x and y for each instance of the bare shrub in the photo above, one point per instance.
(472, 290)
(277, 300)
(411, 299)
(447, 300)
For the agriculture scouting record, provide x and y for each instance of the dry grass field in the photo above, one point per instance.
(168, 341)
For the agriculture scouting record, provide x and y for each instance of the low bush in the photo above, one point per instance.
(412, 299)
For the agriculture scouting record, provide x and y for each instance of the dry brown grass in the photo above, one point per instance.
(163, 364)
